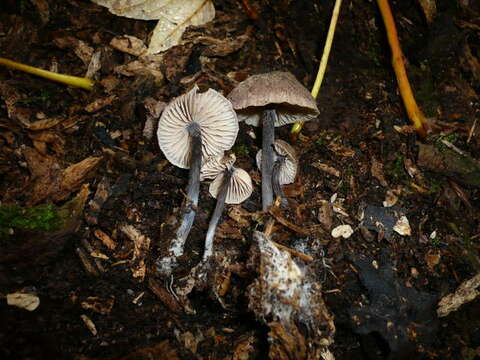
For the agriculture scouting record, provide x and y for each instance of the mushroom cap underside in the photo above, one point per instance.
(239, 188)
(288, 169)
(216, 120)
(214, 165)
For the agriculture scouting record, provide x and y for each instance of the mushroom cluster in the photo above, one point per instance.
(194, 126)
(196, 129)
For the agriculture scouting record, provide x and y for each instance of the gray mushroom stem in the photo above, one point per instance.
(217, 213)
(268, 137)
(189, 210)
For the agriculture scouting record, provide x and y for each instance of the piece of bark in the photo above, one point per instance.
(461, 168)
(465, 293)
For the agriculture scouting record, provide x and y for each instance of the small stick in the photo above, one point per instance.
(297, 127)
(65, 79)
(413, 111)
(293, 252)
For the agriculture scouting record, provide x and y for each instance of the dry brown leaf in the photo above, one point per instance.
(146, 65)
(99, 305)
(129, 44)
(429, 8)
(105, 239)
(163, 350)
(45, 123)
(377, 172)
(140, 250)
(327, 169)
(99, 104)
(49, 180)
(11, 96)
(79, 47)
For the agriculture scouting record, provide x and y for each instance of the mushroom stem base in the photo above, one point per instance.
(217, 213)
(268, 137)
(166, 264)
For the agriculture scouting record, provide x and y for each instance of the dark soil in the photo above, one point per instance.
(355, 135)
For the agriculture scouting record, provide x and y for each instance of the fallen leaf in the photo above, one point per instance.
(129, 44)
(173, 16)
(49, 180)
(99, 103)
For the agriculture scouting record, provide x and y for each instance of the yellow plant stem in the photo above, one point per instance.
(414, 113)
(297, 127)
(66, 79)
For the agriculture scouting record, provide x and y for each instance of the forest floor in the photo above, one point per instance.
(93, 158)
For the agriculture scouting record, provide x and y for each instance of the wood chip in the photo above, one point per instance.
(99, 305)
(140, 251)
(164, 296)
(327, 169)
(276, 213)
(105, 239)
(377, 172)
(23, 300)
(89, 323)
(465, 293)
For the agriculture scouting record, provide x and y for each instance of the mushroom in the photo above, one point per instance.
(231, 185)
(285, 165)
(277, 98)
(193, 127)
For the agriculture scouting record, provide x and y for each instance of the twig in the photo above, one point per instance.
(297, 127)
(413, 111)
(293, 252)
(472, 131)
(65, 79)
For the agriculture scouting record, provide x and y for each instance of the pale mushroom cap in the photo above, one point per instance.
(214, 165)
(278, 89)
(239, 189)
(211, 111)
(288, 171)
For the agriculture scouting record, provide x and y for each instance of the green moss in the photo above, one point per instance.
(451, 138)
(396, 169)
(241, 150)
(44, 218)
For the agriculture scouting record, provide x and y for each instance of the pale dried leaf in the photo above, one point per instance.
(344, 231)
(173, 16)
(402, 226)
(23, 300)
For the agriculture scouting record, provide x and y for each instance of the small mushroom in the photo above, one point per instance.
(193, 127)
(277, 98)
(232, 186)
(285, 165)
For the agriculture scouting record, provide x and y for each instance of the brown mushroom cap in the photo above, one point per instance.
(214, 165)
(278, 89)
(214, 115)
(288, 170)
(239, 189)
